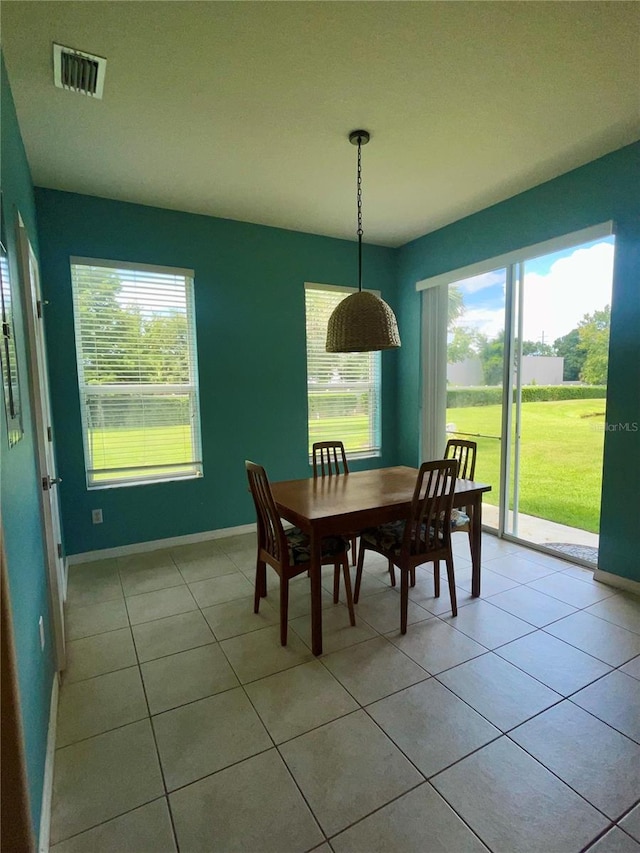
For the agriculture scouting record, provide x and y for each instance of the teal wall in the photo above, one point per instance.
(19, 497)
(250, 319)
(608, 188)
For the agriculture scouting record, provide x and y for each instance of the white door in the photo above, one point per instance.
(48, 480)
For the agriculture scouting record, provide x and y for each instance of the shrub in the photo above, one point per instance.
(460, 398)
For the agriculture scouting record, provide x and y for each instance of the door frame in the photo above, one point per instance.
(44, 439)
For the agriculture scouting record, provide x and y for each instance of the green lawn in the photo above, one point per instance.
(560, 467)
(560, 458)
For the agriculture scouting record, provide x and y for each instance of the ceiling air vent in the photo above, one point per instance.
(78, 72)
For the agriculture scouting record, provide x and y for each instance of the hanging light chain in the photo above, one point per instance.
(359, 203)
(359, 190)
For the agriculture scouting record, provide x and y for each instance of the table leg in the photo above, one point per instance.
(476, 545)
(316, 594)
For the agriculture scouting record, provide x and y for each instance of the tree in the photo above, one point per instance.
(465, 343)
(593, 331)
(568, 346)
(456, 306)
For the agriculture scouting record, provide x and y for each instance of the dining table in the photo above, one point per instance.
(348, 503)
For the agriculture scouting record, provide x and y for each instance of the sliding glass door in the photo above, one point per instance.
(526, 366)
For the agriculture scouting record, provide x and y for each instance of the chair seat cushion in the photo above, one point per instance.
(458, 519)
(300, 551)
(388, 537)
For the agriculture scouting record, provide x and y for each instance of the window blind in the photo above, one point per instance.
(343, 389)
(137, 372)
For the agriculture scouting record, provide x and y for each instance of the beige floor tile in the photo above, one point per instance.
(631, 822)
(517, 568)
(98, 704)
(93, 583)
(158, 604)
(416, 822)
(184, 677)
(602, 765)
(580, 573)
(615, 841)
(200, 568)
(233, 618)
(423, 594)
(369, 585)
(436, 646)
(195, 551)
(632, 668)
(259, 653)
(136, 581)
(382, 611)
(545, 560)
(273, 816)
(615, 699)
(97, 655)
(144, 830)
(491, 583)
(560, 666)
(337, 631)
(299, 596)
(347, 769)
(95, 619)
(597, 637)
(89, 784)
(218, 590)
(532, 606)
(516, 805)
(488, 625)
(431, 725)
(577, 593)
(171, 635)
(298, 700)
(200, 738)
(622, 609)
(161, 558)
(373, 669)
(497, 690)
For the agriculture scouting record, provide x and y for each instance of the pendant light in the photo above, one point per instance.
(362, 322)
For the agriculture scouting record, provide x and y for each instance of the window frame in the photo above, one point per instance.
(191, 389)
(374, 450)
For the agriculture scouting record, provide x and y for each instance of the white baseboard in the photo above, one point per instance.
(47, 786)
(617, 581)
(156, 544)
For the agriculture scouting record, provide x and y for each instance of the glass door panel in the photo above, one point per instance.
(559, 370)
(475, 375)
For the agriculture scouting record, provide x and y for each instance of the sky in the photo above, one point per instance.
(559, 289)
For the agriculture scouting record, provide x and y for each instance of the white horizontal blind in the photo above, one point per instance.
(137, 372)
(343, 389)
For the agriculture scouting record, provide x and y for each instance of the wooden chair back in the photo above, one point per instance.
(327, 458)
(465, 453)
(428, 528)
(271, 537)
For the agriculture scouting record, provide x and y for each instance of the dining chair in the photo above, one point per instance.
(465, 453)
(423, 537)
(288, 552)
(329, 460)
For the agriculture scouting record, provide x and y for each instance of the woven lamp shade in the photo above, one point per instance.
(362, 323)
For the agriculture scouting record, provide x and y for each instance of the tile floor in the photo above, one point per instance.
(184, 725)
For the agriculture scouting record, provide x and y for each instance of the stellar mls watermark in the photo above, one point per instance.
(629, 426)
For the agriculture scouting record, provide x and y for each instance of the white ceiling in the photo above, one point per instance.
(242, 109)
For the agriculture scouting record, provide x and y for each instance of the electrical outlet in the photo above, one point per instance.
(41, 627)
(96, 516)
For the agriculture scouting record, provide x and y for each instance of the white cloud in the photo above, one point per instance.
(481, 282)
(574, 286)
(486, 320)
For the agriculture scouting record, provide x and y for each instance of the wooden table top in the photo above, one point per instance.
(362, 493)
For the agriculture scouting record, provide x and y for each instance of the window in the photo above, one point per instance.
(343, 389)
(137, 372)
